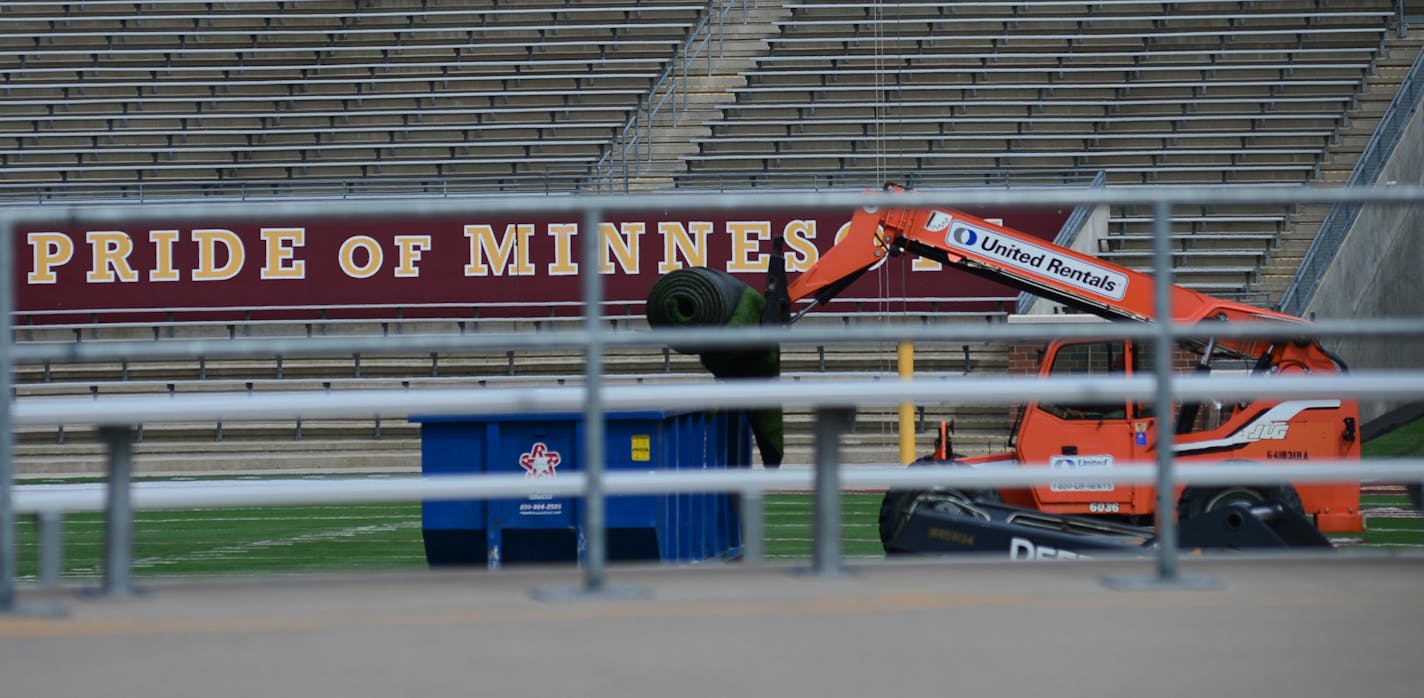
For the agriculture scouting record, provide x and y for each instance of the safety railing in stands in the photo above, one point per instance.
(831, 400)
(1318, 257)
(548, 183)
(621, 161)
(90, 324)
(264, 189)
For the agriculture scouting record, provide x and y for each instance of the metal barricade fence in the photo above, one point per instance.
(829, 399)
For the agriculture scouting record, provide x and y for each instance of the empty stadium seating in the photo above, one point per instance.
(127, 94)
(142, 99)
(1150, 93)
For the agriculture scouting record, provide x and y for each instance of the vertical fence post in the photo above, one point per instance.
(595, 518)
(49, 538)
(595, 531)
(8, 542)
(1166, 418)
(753, 525)
(118, 514)
(1163, 348)
(826, 509)
(7, 431)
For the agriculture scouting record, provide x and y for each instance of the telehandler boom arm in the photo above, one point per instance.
(1020, 260)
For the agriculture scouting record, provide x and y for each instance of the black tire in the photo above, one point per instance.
(891, 516)
(1196, 501)
(895, 505)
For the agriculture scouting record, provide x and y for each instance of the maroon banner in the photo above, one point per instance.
(498, 266)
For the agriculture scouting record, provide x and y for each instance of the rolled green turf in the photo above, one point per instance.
(699, 296)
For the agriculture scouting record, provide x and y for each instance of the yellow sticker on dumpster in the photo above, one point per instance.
(642, 447)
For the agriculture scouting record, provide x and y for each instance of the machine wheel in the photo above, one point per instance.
(1196, 501)
(895, 506)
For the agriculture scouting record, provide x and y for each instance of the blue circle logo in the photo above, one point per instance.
(964, 235)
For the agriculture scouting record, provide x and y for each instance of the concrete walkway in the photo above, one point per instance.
(1274, 627)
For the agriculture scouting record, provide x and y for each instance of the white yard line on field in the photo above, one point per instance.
(246, 549)
(1392, 513)
(241, 549)
(148, 520)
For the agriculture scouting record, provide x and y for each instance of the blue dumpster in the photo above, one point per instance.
(670, 528)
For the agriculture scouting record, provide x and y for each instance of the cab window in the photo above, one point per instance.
(1144, 362)
(1087, 358)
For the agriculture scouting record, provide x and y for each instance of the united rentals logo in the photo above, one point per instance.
(540, 461)
(1029, 257)
(1081, 465)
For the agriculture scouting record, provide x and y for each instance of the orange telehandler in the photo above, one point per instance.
(1083, 439)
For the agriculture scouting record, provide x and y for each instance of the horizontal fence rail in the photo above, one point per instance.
(37, 499)
(730, 394)
(112, 350)
(830, 398)
(1028, 197)
(459, 318)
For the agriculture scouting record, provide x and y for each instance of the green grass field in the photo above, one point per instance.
(294, 540)
(387, 537)
(1407, 440)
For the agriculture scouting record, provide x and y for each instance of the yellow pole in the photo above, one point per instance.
(906, 360)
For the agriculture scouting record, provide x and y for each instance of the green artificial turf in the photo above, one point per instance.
(788, 526)
(386, 537)
(1405, 441)
(270, 540)
(380, 537)
(376, 537)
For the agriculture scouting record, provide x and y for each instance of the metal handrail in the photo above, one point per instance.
(245, 493)
(547, 183)
(258, 189)
(738, 394)
(956, 333)
(393, 316)
(833, 180)
(1300, 290)
(663, 91)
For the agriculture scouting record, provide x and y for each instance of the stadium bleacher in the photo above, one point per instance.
(129, 93)
(122, 99)
(1150, 93)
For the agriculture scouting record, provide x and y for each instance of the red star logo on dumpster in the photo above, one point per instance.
(540, 461)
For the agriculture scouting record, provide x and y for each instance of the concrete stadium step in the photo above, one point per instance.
(201, 444)
(506, 363)
(697, 88)
(1359, 123)
(328, 458)
(41, 441)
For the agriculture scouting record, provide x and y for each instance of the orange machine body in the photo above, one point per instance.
(1084, 439)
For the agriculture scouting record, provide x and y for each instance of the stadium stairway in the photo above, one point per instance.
(1398, 55)
(701, 78)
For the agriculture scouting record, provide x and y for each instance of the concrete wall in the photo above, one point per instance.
(1379, 271)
